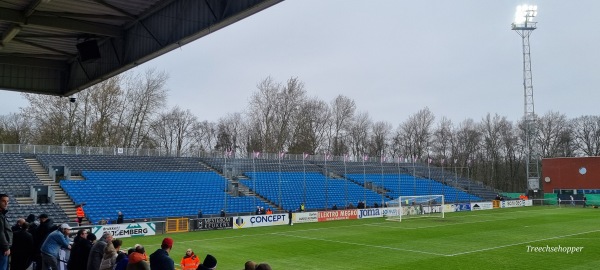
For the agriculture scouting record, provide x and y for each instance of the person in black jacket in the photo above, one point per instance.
(39, 236)
(209, 263)
(82, 244)
(22, 248)
(160, 260)
(6, 234)
(119, 217)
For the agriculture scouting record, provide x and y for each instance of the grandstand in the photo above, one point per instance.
(156, 187)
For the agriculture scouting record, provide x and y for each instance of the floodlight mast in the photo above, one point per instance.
(524, 25)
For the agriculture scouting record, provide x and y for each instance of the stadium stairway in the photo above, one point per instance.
(242, 189)
(60, 197)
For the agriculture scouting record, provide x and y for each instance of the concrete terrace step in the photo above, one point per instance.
(60, 197)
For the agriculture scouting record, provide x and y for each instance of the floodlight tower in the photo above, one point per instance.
(524, 25)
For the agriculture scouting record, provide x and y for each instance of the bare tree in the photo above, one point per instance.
(442, 139)
(145, 96)
(230, 132)
(342, 112)
(380, 138)
(52, 118)
(311, 127)
(359, 134)
(173, 130)
(552, 128)
(586, 132)
(106, 101)
(273, 109)
(414, 134)
(14, 129)
(204, 137)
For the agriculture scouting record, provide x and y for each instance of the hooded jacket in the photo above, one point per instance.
(138, 261)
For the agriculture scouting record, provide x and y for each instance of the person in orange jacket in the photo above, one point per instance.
(80, 214)
(190, 261)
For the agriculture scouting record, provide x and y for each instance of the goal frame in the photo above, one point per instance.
(424, 205)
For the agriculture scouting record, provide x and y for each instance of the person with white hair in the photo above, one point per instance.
(97, 251)
(51, 247)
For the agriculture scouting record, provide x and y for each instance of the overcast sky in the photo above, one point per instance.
(460, 58)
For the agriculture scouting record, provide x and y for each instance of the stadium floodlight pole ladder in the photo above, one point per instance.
(524, 25)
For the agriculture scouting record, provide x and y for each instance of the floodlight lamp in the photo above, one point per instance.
(524, 14)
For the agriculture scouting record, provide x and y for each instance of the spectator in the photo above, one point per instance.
(51, 247)
(22, 248)
(122, 262)
(82, 244)
(119, 217)
(160, 260)
(6, 233)
(263, 266)
(97, 251)
(257, 212)
(334, 207)
(39, 236)
(222, 213)
(17, 225)
(33, 224)
(302, 207)
(189, 261)
(269, 211)
(210, 263)
(109, 259)
(80, 214)
(138, 259)
(200, 213)
(249, 265)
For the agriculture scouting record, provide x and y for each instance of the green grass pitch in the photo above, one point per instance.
(513, 238)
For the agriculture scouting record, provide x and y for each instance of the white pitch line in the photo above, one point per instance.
(359, 244)
(521, 243)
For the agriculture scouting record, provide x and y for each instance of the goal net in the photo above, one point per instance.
(418, 207)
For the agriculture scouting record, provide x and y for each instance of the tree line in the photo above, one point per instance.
(129, 111)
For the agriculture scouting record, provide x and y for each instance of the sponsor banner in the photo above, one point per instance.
(379, 212)
(305, 217)
(370, 213)
(125, 230)
(214, 223)
(337, 215)
(515, 203)
(449, 208)
(528, 202)
(243, 222)
(425, 209)
(460, 207)
(391, 212)
(482, 206)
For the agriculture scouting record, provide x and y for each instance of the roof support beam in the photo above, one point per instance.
(15, 16)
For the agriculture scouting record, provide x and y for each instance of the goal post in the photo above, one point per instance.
(418, 207)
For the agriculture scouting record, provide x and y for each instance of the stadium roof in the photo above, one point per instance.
(60, 47)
